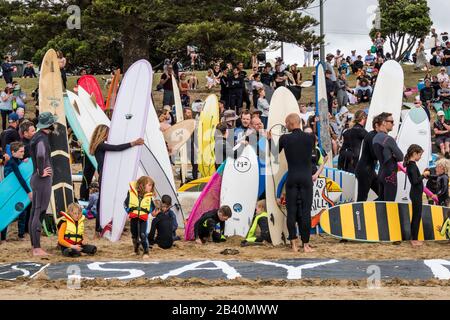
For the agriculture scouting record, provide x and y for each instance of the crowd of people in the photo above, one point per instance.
(244, 108)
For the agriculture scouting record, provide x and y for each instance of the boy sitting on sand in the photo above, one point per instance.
(164, 225)
(71, 233)
(205, 227)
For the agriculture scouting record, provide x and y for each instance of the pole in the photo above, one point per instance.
(282, 51)
(322, 46)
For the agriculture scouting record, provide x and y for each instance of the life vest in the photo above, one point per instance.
(139, 207)
(251, 235)
(320, 161)
(74, 229)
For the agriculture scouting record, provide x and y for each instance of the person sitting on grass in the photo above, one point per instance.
(71, 233)
(212, 225)
(363, 91)
(442, 134)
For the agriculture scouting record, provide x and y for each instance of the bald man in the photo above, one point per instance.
(298, 147)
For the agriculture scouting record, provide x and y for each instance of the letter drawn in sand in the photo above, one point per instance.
(219, 265)
(295, 273)
(438, 269)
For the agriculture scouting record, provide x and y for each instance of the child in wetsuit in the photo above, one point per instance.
(164, 225)
(259, 230)
(71, 233)
(442, 183)
(205, 227)
(139, 204)
(413, 155)
(12, 166)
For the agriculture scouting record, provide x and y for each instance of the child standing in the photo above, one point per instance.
(164, 225)
(139, 204)
(413, 155)
(261, 222)
(205, 227)
(91, 210)
(71, 233)
(12, 166)
(442, 183)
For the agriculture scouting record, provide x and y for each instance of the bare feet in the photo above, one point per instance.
(294, 245)
(307, 248)
(145, 257)
(416, 243)
(38, 252)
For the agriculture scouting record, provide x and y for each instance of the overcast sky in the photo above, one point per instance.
(347, 25)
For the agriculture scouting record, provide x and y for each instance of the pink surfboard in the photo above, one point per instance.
(90, 84)
(208, 200)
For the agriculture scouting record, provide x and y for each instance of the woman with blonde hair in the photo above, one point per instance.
(98, 147)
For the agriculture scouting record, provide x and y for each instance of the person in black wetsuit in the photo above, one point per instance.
(388, 154)
(413, 155)
(365, 169)
(351, 147)
(298, 147)
(98, 148)
(205, 227)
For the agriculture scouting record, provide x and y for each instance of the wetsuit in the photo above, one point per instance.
(442, 189)
(162, 227)
(8, 136)
(100, 157)
(298, 147)
(388, 154)
(349, 154)
(365, 169)
(41, 186)
(415, 194)
(205, 226)
(88, 175)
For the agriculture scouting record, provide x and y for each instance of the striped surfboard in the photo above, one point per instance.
(382, 221)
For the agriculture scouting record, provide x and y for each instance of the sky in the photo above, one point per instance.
(347, 25)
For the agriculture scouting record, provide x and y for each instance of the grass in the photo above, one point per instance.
(28, 85)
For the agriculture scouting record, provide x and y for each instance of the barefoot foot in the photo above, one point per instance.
(307, 248)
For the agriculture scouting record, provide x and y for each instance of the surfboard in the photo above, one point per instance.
(177, 136)
(387, 95)
(306, 84)
(208, 200)
(91, 114)
(323, 125)
(72, 106)
(429, 43)
(127, 124)
(51, 100)
(283, 103)
(180, 118)
(90, 84)
(209, 119)
(112, 91)
(13, 198)
(240, 174)
(154, 141)
(381, 221)
(151, 167)
(415, 129)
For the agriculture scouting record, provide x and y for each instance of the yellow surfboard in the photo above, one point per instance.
(382, 221)
(209, 119)
(51, 100)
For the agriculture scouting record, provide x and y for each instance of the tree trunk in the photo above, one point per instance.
(135, 46)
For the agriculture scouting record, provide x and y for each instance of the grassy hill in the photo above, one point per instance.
(28, 85)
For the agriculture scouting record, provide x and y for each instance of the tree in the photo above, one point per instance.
(403, 22)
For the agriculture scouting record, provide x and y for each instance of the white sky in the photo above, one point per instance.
(347, 25)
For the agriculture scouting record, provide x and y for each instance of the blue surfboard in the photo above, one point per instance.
(75, 125)
(13, 198)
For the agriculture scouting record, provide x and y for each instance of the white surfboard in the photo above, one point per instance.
(127, 124)
(323, 126)
(306, 84)
(387, 95)
(415, 129)
(180, 117)
(240, 191)
(154, 141)
(282, 104)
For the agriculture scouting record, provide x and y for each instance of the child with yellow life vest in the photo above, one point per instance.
(139, 204)
(71, 233)
(259, 230)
